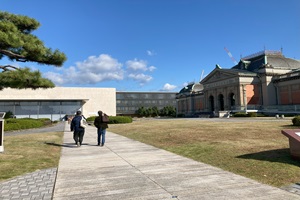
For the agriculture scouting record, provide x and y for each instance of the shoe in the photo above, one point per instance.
(78, 144)
(102, 145)
(98, 144)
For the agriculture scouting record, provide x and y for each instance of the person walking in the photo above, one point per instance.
(101, 128)
(77, 128)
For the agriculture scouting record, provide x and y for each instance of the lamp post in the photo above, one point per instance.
(2, 114)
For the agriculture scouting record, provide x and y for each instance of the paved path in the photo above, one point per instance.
(126, 169)
(38, 185)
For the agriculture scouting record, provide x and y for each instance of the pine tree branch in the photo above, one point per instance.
(13, 55)
(5, 67)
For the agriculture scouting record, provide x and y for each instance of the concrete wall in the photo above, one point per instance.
(95, 98)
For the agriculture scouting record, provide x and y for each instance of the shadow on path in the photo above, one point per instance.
(69, 145)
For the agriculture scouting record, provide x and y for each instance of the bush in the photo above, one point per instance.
(112, 119)
(260, 115)
(252, 114)
(240, 114)
(169, 111)
(8, 115)
(24, 123)
(296, 121)
(91, 119)
(119, 119)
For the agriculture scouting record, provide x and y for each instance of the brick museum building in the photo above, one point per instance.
(266, 82)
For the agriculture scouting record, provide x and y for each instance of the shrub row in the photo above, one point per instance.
(112, 119)
(296, 121)
(154, 111)
(249, 114)
(25, 123)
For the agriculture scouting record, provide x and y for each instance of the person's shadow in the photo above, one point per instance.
(68, 145)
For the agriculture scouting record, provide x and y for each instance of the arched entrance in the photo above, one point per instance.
(221, 102)
(232, 100)
(211, 103)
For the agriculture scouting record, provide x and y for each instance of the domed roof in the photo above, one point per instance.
(273, 59)
(197, 87)
(191, 88)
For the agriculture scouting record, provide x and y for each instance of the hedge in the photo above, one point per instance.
(24, 123)
(296, 121)
(112, 119)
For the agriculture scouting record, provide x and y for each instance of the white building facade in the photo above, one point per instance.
(56, 103)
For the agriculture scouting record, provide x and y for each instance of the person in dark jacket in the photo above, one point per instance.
(78, 130)
(101, 128)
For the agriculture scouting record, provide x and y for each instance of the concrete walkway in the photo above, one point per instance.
(126, 169)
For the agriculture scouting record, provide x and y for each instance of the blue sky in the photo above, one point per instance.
(155, 45)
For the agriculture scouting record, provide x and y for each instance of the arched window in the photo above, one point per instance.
(221, 101)
(211, 103)
(232, 99)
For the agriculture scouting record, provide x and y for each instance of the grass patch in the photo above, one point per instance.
(28, 153)
(251, 148)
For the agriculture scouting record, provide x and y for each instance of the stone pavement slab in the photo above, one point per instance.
(37, 185)
(127, 169)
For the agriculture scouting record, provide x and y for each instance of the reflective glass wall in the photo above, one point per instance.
(54, 110)
(129, 102)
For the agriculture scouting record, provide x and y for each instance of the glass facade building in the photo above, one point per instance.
(52, 109)
(56, 103)
(129, 102)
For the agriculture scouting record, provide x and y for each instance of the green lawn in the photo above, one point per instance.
(28, 153)
(251, 148)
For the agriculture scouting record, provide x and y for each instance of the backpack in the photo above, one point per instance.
(105, 118)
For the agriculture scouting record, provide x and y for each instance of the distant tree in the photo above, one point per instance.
(149, 112)
(141, 111)
(168, 111)
(18, 44)
(155, 111)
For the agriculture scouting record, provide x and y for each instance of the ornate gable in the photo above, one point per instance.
(217, 75)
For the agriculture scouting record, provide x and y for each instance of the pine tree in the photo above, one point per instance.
(18, 43)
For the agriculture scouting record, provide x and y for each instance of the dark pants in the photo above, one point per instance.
(78, 136)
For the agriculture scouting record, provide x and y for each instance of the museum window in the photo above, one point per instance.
(221, 102)
(211, 103)
(232, 99)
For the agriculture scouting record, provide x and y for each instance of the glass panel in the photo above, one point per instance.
(6, 108)
(23, 109)
(27, 103)
(119, 96)
(7, 103)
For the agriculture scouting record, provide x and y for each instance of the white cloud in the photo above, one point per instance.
(96, 69)
(138, 65)
(101, 63)
(90, 71)
(135, 70)
(55, 77)
(168, 87)
(141, 78)
(150, 53)
(151, 68)
(185, 84)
